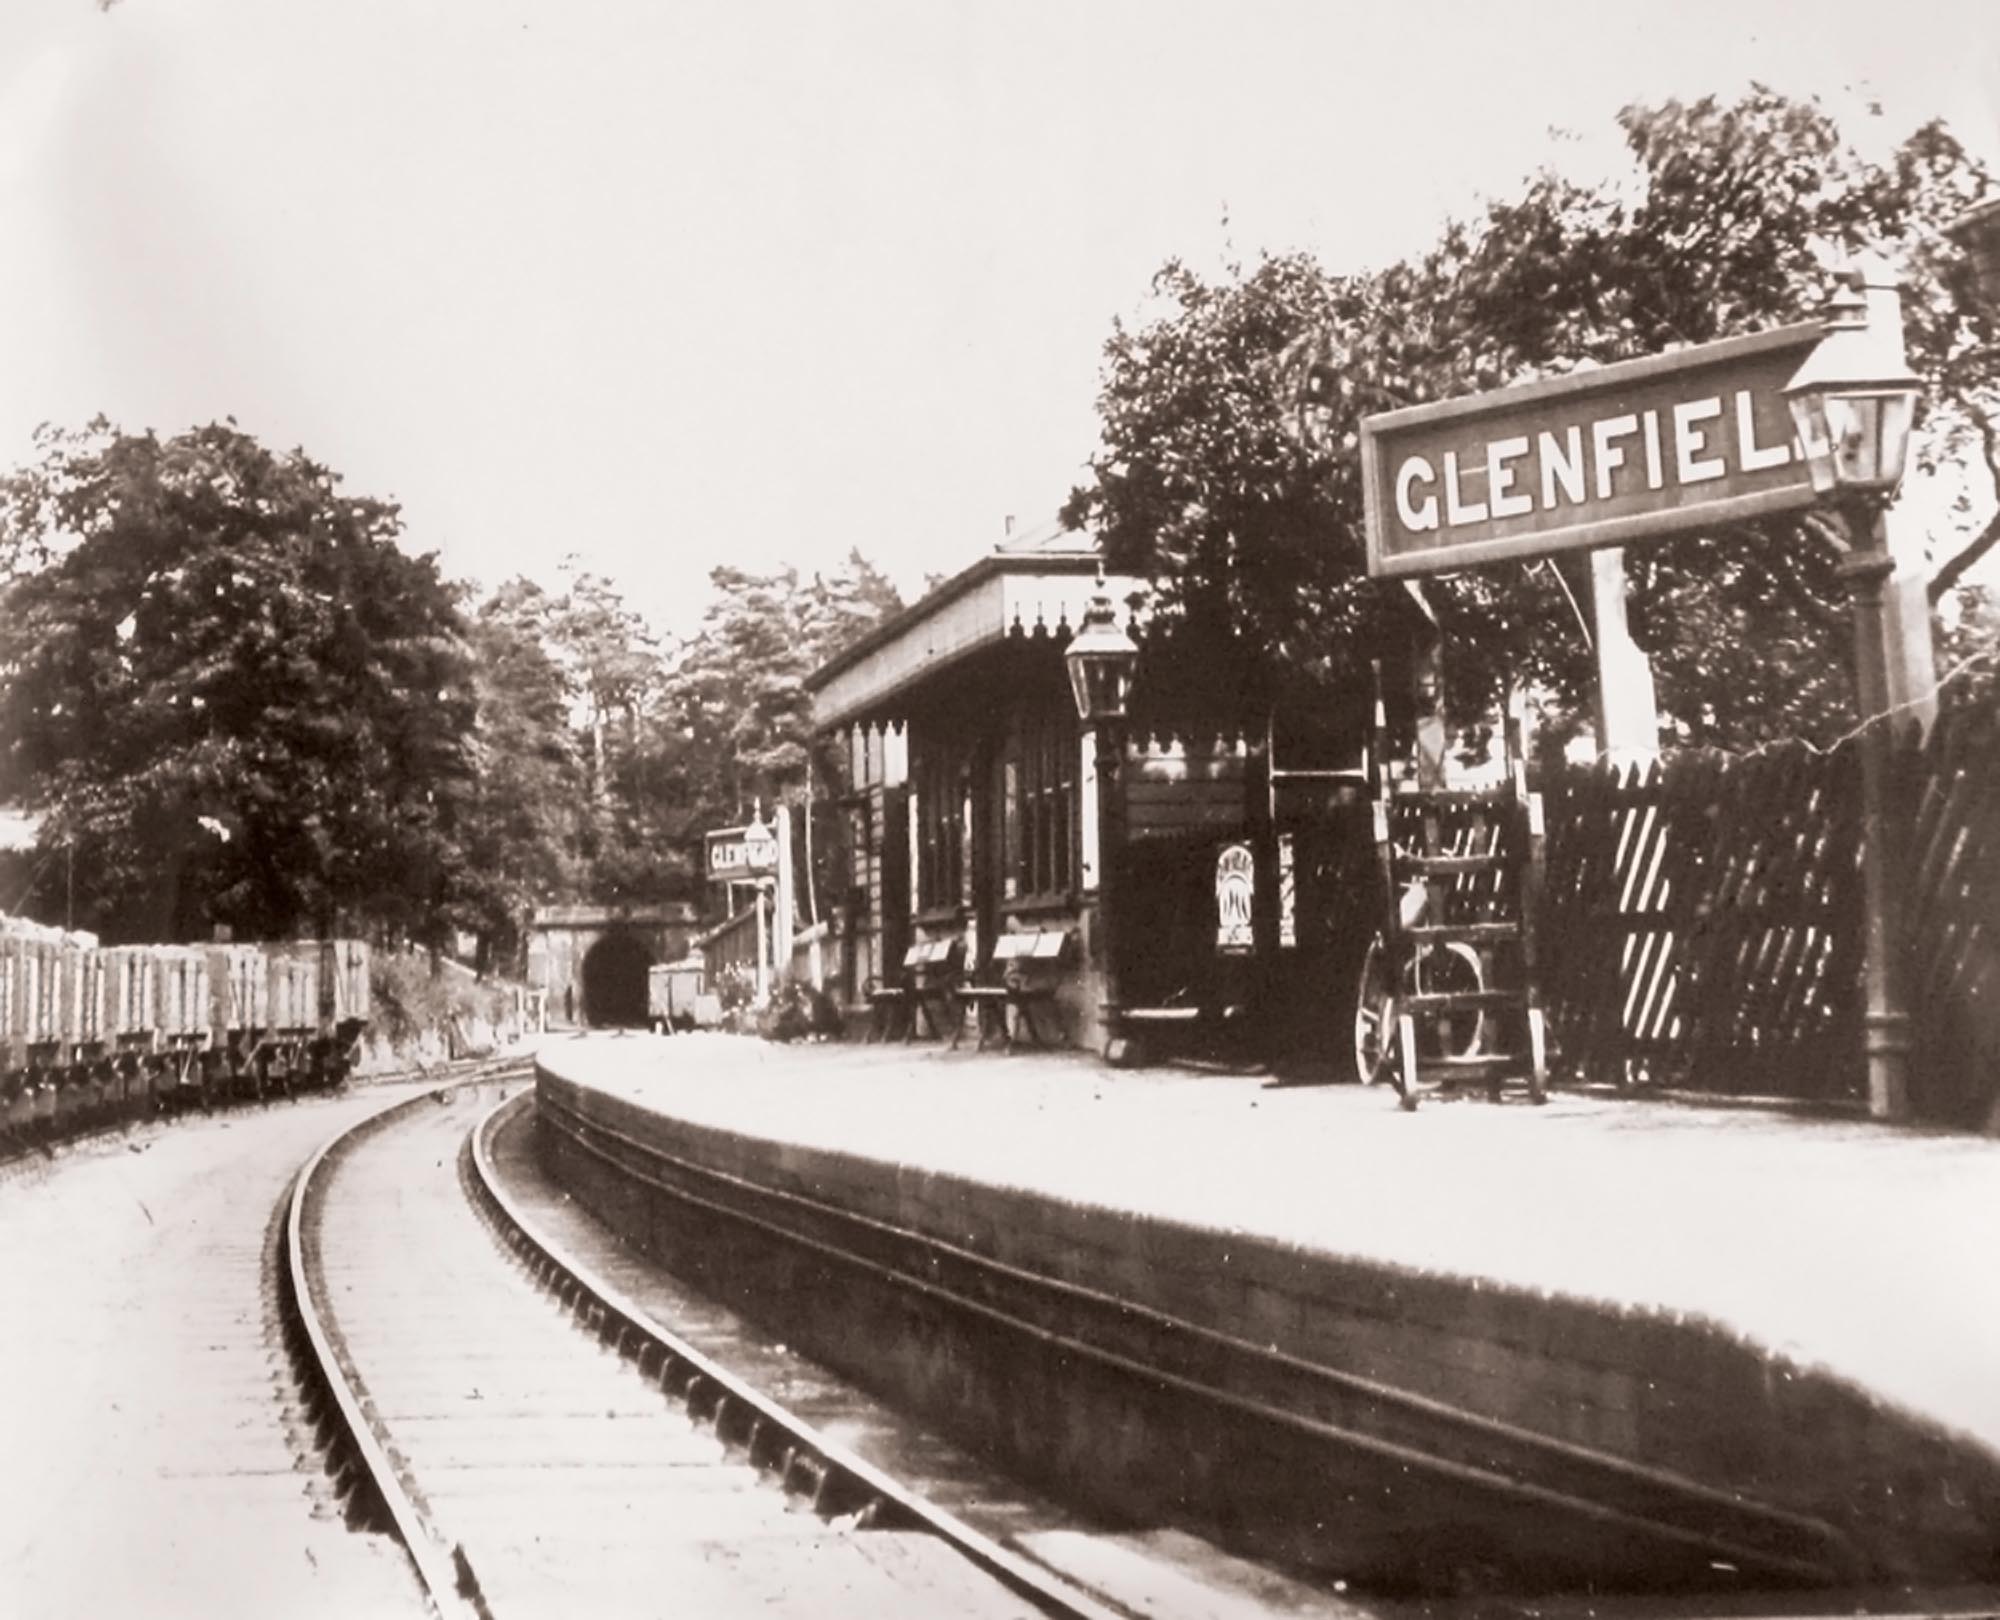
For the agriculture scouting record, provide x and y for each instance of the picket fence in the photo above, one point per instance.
(1701, 920)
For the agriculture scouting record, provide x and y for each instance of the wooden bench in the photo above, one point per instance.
(1029, 965)
(934, 986)
(890, 1001)
(923, 989)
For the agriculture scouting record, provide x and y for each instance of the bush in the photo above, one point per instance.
(421, 1002)
(798, 1011)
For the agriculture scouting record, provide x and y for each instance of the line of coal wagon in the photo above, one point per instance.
(91, 1034)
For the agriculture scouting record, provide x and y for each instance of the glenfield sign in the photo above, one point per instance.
(1674, 442)
(733, 856)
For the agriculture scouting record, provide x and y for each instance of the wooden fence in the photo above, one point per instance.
(1948, 792)
(1701, 922)
(729, 951)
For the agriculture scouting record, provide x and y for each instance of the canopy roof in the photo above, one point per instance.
(1046, 578)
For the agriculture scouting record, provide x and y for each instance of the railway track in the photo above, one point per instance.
(542, 1444)
(540, 1447)
(160, 1462)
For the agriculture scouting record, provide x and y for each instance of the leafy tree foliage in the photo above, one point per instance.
(235, 699)
(737, 693)
(612, 666)
(610, 658)
(1970, 644)
(622, 754)
(1245, 505)
(521, 829)
(729, 727)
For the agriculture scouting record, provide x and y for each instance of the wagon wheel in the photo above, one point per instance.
(1447, 969)
(1374, 1015)
(1435, 968)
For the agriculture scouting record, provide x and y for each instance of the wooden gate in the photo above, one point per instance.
(1702, 923)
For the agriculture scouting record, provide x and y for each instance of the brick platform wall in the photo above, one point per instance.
(1680, 1396)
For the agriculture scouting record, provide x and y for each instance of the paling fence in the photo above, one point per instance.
(729, 952)
(1950, 793)
(1701, 920)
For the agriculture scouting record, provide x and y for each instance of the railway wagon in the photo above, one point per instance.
(351, 1003)
(293, 998)
(180, 1033)
(239, 988)
(84, 1005)
(275, 1019)
(37, 998)
(90, 1033)
(81, 1014)
(130, 1047)
(315, 1006)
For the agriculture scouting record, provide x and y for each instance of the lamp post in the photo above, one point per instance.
(1100, 660)
(760, 855)
(1853, 402)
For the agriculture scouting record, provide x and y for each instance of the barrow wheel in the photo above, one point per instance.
(1374, 1015)
(1434, 969)
(1449, 969)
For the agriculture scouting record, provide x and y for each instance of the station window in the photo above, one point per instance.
(860, 848)
(1038, 809)
(942, 780)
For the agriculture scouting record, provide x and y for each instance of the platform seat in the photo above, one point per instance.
(926, 991)
(890, 1000)
(1026, 968)
(935, 983)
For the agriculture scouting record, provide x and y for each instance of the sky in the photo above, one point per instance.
(667, 285)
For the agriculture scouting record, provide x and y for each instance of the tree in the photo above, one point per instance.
(521, 832)
(1246, 507)
(1741, 211)
(582, 672)
(610, 658)
(738, 689)
(1249, 527)
(659, 748)
(613, 666)
(232, 695)
(736, 716)
(1969, 645)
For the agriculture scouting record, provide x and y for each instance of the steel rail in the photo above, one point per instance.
(776, 1438)
(444, 1575)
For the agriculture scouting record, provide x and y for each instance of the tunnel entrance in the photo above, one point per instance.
(614, 981)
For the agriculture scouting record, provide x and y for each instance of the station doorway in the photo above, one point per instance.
(614, 981)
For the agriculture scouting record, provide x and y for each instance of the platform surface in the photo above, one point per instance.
(1863, 1250)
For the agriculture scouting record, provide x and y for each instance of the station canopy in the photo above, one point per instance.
(1041, 580)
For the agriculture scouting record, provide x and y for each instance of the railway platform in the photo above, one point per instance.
(1651, 1314)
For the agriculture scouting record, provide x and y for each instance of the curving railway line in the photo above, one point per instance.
(541, 1447)
(159, 1461)
(419, 1333)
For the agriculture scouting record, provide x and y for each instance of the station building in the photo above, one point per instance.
(971, 809)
